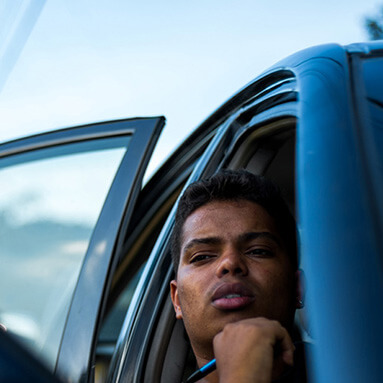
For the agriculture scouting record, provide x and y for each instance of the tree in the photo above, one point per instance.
(374, 26)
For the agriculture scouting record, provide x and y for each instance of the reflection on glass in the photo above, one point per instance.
(48, 209)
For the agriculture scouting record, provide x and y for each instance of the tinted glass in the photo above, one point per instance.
(48, 208)
(373, 79)
(373, 82)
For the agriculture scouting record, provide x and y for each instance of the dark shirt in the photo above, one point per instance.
(297, 373)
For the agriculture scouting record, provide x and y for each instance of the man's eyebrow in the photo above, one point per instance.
(262, 234)
(243, 238)
(202, 241)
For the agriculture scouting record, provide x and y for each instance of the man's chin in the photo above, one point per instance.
(233, 316)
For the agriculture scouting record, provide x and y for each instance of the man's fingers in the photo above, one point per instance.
(254, 348)
(283, 340)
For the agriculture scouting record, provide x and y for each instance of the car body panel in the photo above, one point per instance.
(336, 217)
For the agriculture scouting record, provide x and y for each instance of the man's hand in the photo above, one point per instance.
(253, 350)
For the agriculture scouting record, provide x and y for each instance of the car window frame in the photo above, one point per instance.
(135, 337)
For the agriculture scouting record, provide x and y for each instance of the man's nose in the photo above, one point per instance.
(232, 262)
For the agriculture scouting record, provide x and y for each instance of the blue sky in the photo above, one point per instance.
(87, 61)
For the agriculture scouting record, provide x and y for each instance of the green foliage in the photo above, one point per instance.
(374, 26)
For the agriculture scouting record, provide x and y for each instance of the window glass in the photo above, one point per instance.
(113, 322)
(373, 81)
(48, 209)
(373, 78)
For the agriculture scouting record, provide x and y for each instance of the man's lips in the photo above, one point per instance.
(232, 296)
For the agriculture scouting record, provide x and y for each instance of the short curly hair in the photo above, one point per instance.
(234, 185)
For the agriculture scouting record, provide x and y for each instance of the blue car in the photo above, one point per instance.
(84, 236)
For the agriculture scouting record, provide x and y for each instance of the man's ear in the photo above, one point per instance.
(299, 289)
(175, 298)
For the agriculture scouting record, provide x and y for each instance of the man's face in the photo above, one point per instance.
(233, 266)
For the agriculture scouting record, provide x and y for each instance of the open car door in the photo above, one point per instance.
(65, 204)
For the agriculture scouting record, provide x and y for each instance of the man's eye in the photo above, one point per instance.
(260, 252)
(200, 258)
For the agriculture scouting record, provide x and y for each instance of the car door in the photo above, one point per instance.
(66, 201)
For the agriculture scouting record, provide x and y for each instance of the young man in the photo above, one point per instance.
(236, 285)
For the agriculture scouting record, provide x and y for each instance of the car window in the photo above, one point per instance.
(113, 321)
(49, 204)
(268, 149)
(371, 108)
(373, 81)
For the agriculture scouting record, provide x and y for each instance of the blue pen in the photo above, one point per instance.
(202, 372)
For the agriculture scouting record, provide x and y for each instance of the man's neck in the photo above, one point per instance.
(212, 377)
